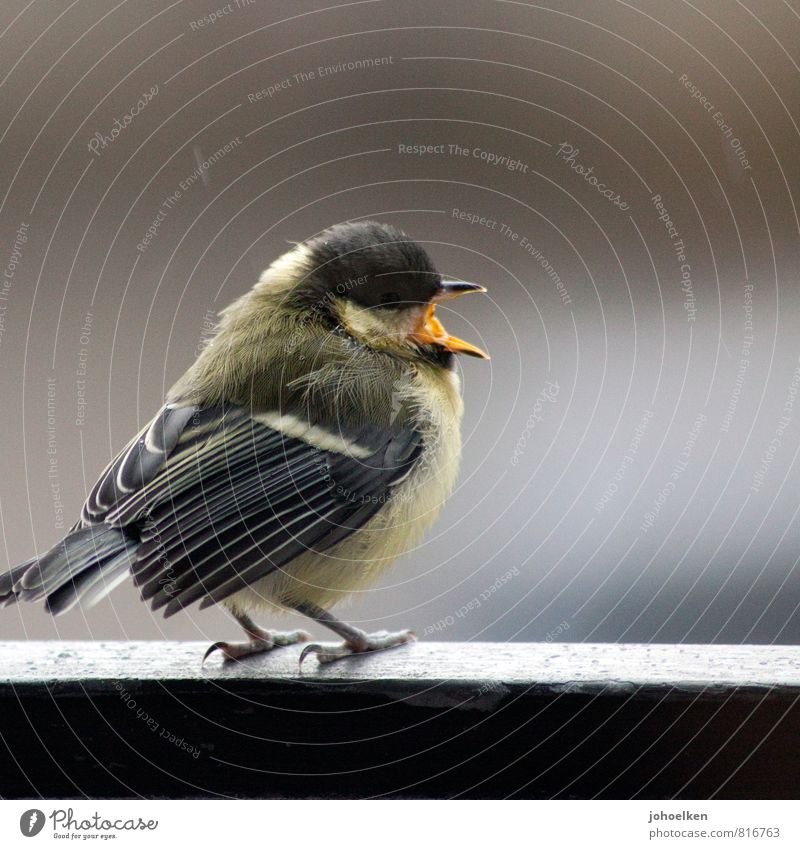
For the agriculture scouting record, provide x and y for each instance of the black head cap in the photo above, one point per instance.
(371, 264)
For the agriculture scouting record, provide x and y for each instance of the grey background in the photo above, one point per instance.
(720, 562)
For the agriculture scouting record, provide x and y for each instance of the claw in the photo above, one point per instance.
(260, 641)
(218, 646)
(310, 649)
(366, 644)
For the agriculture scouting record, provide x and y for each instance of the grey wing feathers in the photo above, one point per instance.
(9, 580)
(84, 566)
(258, 500)
(138, 464)
(95, 555)
(205, 501)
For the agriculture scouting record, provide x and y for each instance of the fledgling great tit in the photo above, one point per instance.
(311, 443)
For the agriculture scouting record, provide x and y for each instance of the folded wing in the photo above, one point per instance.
(218, 498)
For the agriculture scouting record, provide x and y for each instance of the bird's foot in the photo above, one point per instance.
(260, 641)
(360, 643)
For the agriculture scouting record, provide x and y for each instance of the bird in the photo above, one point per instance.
(311, 443)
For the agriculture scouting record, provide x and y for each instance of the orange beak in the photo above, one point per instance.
(430, 330)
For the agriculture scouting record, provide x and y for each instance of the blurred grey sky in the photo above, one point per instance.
(623, 177)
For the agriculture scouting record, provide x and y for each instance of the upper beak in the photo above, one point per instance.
(454, 288)
(431, 331)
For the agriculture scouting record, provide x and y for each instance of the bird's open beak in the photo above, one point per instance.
(430, 330)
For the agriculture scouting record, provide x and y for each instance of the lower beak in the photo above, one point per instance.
(430, 330)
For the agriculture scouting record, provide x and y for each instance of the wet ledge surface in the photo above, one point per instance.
(480, 720)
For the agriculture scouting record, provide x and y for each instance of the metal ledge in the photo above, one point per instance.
(479, 720)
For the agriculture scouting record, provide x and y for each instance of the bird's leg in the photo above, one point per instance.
(259, 640)
(356, 641)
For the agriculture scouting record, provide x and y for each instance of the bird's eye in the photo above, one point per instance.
(390, 299)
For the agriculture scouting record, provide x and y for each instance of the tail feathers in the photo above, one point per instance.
(79, 550)
(9, 580)
(85, 566)
(91, 585)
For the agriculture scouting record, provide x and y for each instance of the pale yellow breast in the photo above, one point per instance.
(397, 528)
